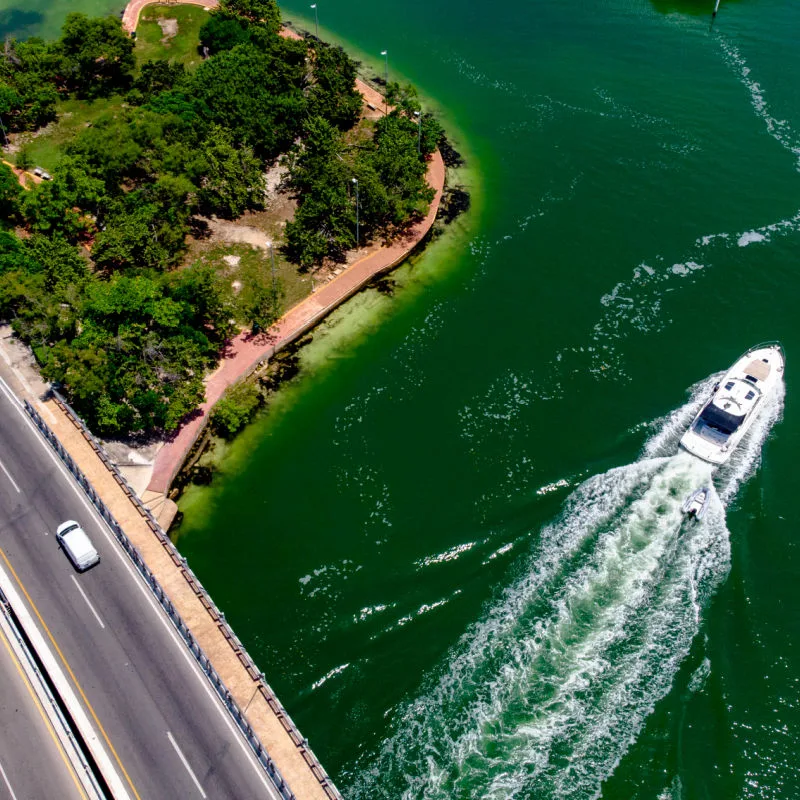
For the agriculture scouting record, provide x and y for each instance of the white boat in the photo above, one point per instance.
(735, 403)
(697, 503)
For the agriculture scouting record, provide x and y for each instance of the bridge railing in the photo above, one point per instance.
(219, 618)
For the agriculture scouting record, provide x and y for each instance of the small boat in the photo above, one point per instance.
(696, 503)
(735, 403)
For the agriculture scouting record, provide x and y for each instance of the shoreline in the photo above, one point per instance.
(247, 352)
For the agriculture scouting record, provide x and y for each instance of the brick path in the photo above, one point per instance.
(130, 18)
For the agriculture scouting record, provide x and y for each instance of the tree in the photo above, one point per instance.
(235, 409)
(245, 90)
(60, 262)
(400, 168)
(98, 55)
(333, 94)
(206, 298)
(108, 150)
(264, 13)
(262, 305)
(145, 228)
(64, 205)
(233, 179)
(10, 191)
(156, 76)
(224, 31)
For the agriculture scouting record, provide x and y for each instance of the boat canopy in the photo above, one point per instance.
(715, 417)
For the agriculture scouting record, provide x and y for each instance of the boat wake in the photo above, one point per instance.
(543, 697)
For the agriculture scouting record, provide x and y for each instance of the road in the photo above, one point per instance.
(32, 760)
(165, 730)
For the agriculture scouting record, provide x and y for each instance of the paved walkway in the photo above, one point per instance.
(247, 352)
(130, 18)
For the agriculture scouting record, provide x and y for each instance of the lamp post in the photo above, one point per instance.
(419, 131)
(385, 54)
(355, 183)
(272, 259)
(5, 137)
(316, 20)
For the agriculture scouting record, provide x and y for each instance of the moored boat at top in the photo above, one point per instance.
(735, 403)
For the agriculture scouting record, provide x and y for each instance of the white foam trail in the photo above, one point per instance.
(544, 696)
(778, 129)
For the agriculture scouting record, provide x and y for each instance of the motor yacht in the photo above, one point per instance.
(735, 403)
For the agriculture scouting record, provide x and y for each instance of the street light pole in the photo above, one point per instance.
(419, 131)
(316, 20)
(272, 259)
(385, 54)
(358, 238)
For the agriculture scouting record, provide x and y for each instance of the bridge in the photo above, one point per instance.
(131, 683)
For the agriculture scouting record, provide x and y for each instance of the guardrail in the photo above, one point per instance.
(43, 690)
(219, 618)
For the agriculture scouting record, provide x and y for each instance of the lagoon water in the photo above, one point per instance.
(454, 545)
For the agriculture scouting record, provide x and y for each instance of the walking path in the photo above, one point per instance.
(130, 17)
(246, 352)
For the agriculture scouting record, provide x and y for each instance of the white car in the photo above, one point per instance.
(77, 546)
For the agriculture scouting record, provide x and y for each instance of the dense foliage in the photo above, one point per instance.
(92, 275)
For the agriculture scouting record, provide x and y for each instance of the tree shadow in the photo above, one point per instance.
(695, 8)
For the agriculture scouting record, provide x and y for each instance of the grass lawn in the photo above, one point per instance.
(163, 41)
(253, 268)
(73, 117)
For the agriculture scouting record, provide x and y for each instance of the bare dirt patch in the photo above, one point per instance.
(169, 27)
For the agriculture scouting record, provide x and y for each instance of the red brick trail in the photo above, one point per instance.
(245, 351)
(130, 18)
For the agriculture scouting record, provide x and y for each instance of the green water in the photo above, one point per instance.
(407, 545)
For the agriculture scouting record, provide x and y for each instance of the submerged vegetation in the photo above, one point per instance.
(94, 272)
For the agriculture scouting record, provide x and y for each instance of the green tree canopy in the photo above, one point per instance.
(264, 13)
(98, 55)
(233, 179)
(246, 91)
(333, 93)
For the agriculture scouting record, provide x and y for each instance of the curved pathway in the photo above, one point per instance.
(130, 17)
(245, 352)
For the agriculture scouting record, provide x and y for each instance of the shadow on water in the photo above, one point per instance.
(696, 8)
(17, 22)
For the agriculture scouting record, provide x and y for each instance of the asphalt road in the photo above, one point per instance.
(167, 733)
(32, 761)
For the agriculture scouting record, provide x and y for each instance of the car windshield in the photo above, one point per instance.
(721, 420)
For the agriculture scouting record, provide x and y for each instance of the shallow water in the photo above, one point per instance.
(455, 549)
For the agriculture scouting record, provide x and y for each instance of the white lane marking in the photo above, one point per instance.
(182, 757)
(8, 475)
(91, 607)
(8, 785)
(194, 667)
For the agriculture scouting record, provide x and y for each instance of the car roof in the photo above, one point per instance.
(78, 542)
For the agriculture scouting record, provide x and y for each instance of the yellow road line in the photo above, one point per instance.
(44, 716)
(71, 673)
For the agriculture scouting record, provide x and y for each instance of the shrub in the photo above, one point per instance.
(235, 409)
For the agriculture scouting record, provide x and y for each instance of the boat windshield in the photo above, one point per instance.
(721, 420)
